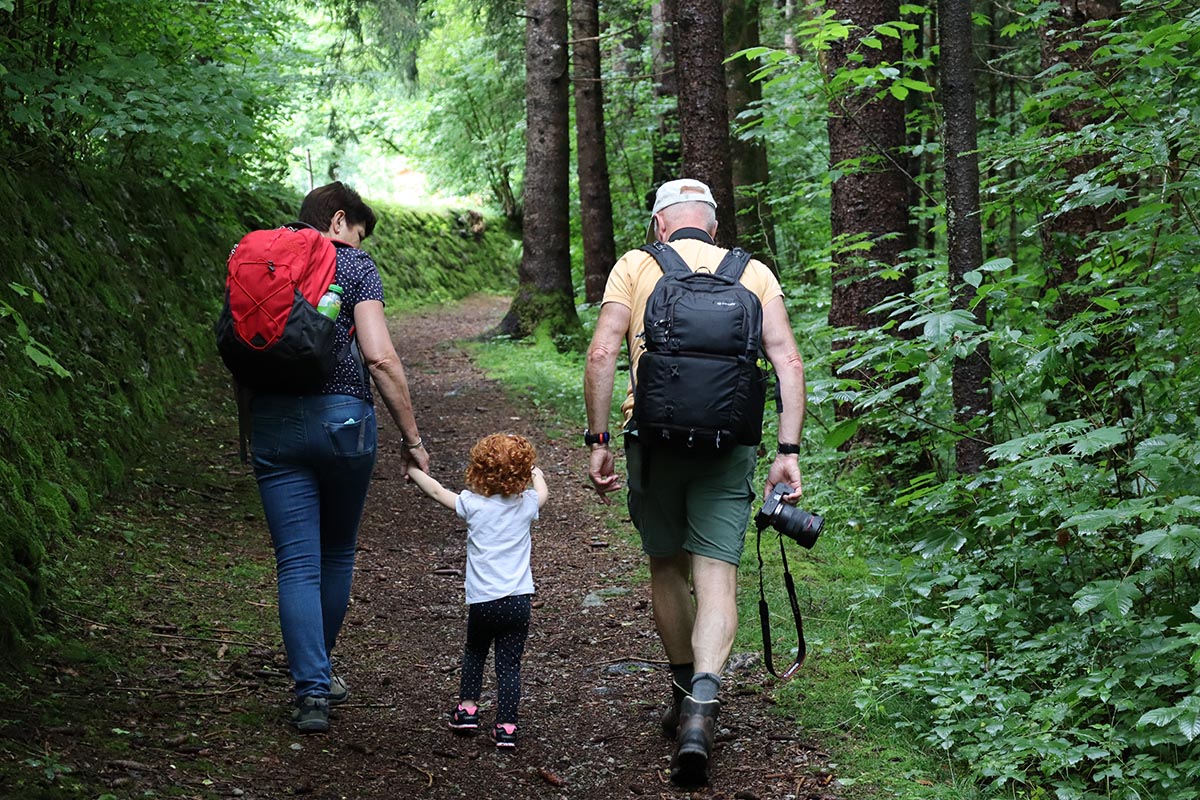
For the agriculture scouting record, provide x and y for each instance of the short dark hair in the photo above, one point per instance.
(322, 203)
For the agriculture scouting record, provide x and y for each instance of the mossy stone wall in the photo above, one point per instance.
(128, 280)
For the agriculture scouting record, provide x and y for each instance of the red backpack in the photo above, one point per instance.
(270, 334)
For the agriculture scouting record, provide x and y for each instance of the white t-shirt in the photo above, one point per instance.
(498, 543)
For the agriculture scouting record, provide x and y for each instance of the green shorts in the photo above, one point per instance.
(680, 502)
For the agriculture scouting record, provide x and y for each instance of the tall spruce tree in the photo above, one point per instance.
(971, 378)
(748, 154)
(869, 198)
(703, 107)
(595, 198)
(544, 291)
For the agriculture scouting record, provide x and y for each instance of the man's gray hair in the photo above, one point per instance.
(693, 214)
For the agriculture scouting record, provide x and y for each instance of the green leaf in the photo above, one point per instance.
(38, 355)
(940, 327)
(841, 433)
(916, 85)
(1158, 716)
(898, 91)
(1115, 596)
(995, 265)
(1097, 440)
(1189, 719)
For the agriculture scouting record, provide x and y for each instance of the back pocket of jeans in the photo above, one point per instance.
(354, 437)
(266, 436)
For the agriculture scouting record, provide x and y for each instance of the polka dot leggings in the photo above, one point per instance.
(505, 621)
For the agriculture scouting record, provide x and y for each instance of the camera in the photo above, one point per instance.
(794, 523)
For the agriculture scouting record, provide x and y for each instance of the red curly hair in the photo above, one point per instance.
(500, 464)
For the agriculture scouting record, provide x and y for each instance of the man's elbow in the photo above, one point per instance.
(792, 364)
(600, 355)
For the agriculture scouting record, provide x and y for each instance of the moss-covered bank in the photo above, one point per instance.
(118, 283)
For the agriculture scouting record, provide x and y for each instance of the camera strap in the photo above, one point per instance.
(764, 613)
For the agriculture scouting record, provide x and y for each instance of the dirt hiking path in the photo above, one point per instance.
(201, 708)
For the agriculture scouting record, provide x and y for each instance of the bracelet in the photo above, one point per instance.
(418, 444)
(787, 449)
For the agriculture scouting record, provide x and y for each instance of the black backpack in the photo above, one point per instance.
(698, 385)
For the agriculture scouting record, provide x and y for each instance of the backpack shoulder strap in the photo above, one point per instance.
(668, 259)
(733, 264)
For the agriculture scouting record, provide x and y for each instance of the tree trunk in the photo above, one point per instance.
(703, 107)
(970, 374)
(755, 225)
(870, 200)
(665, 147)
(595, 199)
(790, 46)
(545, 295)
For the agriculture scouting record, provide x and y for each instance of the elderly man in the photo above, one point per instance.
(691, 509)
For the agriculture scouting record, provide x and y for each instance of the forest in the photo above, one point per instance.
(985, 217)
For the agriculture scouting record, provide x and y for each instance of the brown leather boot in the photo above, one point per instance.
(670, 717)
(697, 728)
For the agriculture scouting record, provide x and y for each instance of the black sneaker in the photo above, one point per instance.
(502, 737)
(463, 720)
(311, 714)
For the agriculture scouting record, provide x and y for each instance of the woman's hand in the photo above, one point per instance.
(414, 457)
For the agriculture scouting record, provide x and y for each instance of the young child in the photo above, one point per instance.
(498, 509)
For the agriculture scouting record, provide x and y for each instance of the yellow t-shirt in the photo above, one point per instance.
(634, 276)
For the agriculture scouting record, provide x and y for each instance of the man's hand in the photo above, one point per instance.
(601, 469)
(785, 469)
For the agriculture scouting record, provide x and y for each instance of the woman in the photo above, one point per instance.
(313, 457)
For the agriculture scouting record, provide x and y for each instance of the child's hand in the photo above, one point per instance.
(539, 486)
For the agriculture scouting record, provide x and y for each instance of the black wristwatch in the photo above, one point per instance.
(590, 438)
(787, 449)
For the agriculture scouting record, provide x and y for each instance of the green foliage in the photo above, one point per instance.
(1047, 608)
(427, 257)
(185, 91)
(468, 126)
(107, 332)
(21, 338)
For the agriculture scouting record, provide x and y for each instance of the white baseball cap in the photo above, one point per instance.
(684, 190)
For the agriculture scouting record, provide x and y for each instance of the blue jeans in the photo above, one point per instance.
(313, 457)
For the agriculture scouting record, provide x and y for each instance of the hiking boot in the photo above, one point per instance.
(463, 720)
(670, 721)
(311, 714)
(339, 692)
(670, 717)
(503, 737)
(697, 728)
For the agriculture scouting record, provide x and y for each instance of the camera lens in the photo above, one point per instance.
(798, 524)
